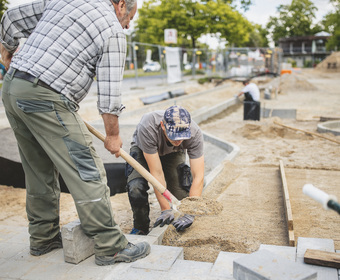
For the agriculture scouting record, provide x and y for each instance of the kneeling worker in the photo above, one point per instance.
(160, 143)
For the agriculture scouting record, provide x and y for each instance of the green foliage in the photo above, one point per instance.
(331, 23)
(258, 37)
(308, 64)
(295, 19)
(191, 19)
(292, 61)
(3, 7)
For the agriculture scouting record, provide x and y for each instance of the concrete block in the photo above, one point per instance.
(183, 268)
(286, 252)
(140, 274)
(76, 245)
(12, 269)
(324, 273)
(223, 266)
(152, 240)
(159, 233)
(266, 265)
(305, 243)
(160, 258)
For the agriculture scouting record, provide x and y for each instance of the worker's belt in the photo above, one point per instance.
(28, 77)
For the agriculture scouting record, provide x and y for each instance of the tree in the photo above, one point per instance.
(3, 7)
(295, 19)
(331, 23)
(192, 19)
(258, 37)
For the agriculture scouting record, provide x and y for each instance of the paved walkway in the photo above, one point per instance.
(164, 262)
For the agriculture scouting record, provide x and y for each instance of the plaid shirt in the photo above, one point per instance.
(69, 43)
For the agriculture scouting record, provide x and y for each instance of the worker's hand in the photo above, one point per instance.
(6, 57)
(183, 222)
(113, 144)
(166, 217)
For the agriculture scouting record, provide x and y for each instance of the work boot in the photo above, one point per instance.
(130, 253)
(136, 231)
(54, 243)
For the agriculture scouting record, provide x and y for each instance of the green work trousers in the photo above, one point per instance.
(53, 139)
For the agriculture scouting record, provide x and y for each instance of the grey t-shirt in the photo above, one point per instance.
(150, 138)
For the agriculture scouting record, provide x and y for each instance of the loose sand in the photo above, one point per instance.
(243, 207)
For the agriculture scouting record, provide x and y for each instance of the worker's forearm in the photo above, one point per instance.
(112, 142)
(163, 202)
(196, 187)
(111, 124)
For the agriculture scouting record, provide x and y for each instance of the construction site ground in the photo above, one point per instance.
(249, 188)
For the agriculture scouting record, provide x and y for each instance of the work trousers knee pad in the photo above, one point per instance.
(184, 176)
(138, 196)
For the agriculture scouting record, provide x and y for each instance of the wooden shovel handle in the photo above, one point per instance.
(138, 167)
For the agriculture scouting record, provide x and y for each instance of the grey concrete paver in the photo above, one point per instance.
(324, 273)
(223, 266)
(265, 265)
(284, 251)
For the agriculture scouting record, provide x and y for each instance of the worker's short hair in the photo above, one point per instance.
(245, 82)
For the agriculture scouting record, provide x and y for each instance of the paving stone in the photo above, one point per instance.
(152, 240)
(89, 273)
(140, 274)
(7, 232)
(9, 250)
(161, 258)
(76, 245)
(183, 268)
(223, 265)
(159, 233)
(21, 236)
(47, 270)
(266, 265)
(305, 243)
(287, 252)
(16, 269)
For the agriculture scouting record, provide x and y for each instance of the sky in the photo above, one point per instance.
(259, 12)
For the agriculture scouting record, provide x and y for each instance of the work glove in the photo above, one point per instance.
(183, 222)
(166, 217)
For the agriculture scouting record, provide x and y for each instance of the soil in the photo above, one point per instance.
(243, 207)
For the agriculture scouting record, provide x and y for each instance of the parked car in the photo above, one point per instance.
(152, 67)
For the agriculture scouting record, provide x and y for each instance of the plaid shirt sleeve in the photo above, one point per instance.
(19, 22)
(110, 75)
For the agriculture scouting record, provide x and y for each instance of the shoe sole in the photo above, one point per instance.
(50, 248)
(121, 259)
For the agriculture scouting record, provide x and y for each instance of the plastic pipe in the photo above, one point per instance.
(319, 195)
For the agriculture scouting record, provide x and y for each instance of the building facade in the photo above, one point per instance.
(306, 51)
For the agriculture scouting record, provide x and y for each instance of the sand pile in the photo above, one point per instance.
(200, 206)
(294, 82)
(331, 63)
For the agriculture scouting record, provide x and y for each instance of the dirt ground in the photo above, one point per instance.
(247, 194)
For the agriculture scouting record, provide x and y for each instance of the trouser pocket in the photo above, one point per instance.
(83, 160)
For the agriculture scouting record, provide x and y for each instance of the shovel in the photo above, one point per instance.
(141, 170)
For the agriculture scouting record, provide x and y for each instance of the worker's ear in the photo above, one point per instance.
(120, 8)
(162, 125)
(122, 4)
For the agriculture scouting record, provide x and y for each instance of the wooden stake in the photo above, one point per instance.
(308, 132)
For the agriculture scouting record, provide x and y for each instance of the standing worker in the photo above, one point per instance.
(69, 42)
(159, 143)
